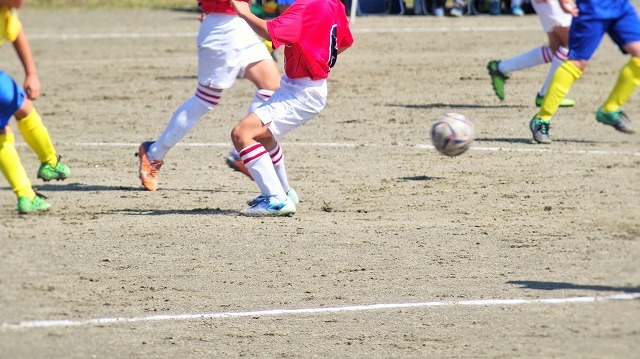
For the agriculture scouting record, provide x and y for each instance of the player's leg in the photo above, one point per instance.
(152, 153)
(11, 99)
(558, 42)
(218, 68)
(264, 74)
(584, 38)
(37, 136)
(292, 105)
(499, 69)
(249, 137)
(625, 33)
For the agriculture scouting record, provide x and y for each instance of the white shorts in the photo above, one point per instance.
(294, 103)
(551, 14)
(226, 46)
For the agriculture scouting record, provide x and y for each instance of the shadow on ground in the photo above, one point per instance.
(562, 285)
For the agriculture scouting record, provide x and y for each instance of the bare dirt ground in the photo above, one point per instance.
(383, 219)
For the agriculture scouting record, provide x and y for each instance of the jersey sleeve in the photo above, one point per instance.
(10, 24)
(347, 38)
(285, 29)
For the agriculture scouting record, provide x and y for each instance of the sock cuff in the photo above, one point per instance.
(7, 138)
(263, 94)
(30, 121)
(547, 55)
(635, 62)
(207, 97)
(572, 69)
(276, 154)
(252, 152)
(562, 53)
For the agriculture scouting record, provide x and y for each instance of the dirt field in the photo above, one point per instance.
(384, 218)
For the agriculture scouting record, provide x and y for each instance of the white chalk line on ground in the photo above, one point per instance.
(336, 144)
(140, 35)
(308, 311)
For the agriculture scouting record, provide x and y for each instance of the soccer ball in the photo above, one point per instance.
(452, 134)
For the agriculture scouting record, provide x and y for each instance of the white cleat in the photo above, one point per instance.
(270, 207)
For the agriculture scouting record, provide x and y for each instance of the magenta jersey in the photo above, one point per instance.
(312, 32)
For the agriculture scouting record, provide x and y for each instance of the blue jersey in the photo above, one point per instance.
(602, 9)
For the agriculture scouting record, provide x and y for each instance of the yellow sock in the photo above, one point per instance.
(12, 167)
(37, 136)
(628, 81)
(562, 81)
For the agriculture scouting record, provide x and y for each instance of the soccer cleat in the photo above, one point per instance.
(270, 207)
(517, 11)
(497, 78)
(149, 168)
(565, 102)
(58, 172)
(456, 12)
(292, 194)
(236, 164)
(38, 204)
(617, 119)
(540, 130)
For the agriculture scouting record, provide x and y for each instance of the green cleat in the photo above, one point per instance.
(540, 130)
(617, 119)
(48, 172)
(565, 102)
(497, 78)
(38, 204)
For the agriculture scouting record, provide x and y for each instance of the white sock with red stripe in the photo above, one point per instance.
(258, 99)
(182, 121)
(277, 158)
(561, 55)
(258, 162)
(207, 96)
(537, 56)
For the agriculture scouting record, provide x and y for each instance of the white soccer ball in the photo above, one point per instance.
(452, 134)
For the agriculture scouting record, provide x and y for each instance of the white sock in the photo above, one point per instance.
(182, 121)
(259, 164)
(258, 99)
(561, 55)
(277, 158)
(537, 56)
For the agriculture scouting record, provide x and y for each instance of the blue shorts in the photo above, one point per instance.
(11, 98)
(285, 2)
(587, 32)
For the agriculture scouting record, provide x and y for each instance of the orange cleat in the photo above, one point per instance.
(236, 164)
(149, 169)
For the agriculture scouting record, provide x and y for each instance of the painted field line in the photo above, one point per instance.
(351, 145)
(310, 311)
(381, 30)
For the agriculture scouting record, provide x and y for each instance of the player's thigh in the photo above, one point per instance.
(12, 98)
(585, 36)
(625, 32)
(264, 74)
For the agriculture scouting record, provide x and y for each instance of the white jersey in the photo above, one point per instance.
(551, 14)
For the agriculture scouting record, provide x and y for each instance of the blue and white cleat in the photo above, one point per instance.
(292, 194)
(270, 207)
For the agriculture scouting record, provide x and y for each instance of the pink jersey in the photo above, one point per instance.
(313, 31)
(218, 6)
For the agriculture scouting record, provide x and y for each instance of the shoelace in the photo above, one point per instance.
(544, 127)
(155, 167)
